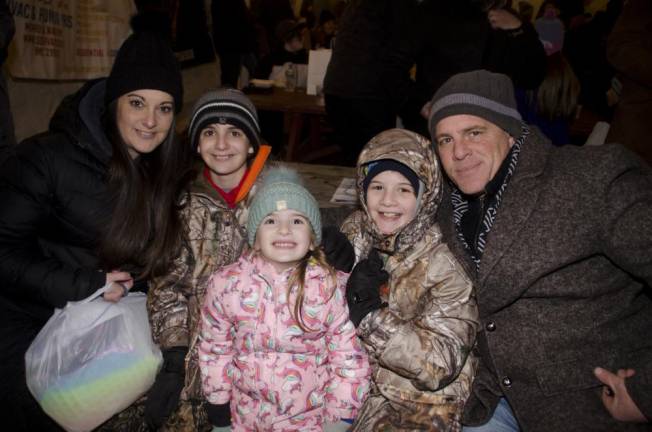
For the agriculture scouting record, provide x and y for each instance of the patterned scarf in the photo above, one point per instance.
(461, 204)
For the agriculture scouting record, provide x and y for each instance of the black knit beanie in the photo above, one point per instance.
(379, 166)
(480, 93)
(225, 106)
(145, 61)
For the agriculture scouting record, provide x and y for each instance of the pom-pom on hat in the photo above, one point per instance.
(145, 61)
(480, 93)
(225, 106)
(281, 189)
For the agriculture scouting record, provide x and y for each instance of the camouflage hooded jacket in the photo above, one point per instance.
(214, 237)
(420, 345)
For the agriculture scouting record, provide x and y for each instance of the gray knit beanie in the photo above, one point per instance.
(281, 189)
(225, 106)
(480, 93)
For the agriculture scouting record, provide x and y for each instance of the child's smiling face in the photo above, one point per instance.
(224, 148)
(391, 201)
(284, 237)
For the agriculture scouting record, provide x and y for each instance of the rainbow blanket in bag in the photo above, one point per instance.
(92, 360)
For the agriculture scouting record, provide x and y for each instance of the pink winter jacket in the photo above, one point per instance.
(254, 354)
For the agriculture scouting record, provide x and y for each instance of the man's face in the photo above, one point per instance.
(471, 150)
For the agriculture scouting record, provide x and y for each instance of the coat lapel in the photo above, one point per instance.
(519, 201)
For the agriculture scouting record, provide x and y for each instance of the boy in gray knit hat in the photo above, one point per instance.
(554, 238)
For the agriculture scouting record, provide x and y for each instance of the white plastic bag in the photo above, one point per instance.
(92, 359)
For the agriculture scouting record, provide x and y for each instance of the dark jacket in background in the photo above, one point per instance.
(234, 35)
(54, 193)
(363, 37)
(563, 287)
(356, 96)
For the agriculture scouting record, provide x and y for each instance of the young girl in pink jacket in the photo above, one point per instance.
(278, 351)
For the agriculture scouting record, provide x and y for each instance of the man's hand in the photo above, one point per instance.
(120, 284)
(616, 398)
(501, 19)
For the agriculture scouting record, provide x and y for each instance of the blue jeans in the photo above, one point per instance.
(503, 420)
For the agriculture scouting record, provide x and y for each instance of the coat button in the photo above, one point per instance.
(507, 381)
(491, 326)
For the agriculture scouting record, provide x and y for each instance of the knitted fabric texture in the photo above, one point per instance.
(225, 106)
(380, 166)
(281, 189)
(145, 61)
(480, 93)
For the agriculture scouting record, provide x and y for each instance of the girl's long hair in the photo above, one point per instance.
(298, 279)
(145, 230)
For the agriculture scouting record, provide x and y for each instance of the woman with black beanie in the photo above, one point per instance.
(91, 201)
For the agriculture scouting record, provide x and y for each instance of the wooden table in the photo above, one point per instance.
(322, 181)
(297, 107)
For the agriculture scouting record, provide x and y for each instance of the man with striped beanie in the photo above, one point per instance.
(558, 241)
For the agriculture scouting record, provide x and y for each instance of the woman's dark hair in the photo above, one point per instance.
(144, 232)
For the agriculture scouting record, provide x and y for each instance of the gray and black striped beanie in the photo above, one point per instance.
(480, 93)
(225, 106)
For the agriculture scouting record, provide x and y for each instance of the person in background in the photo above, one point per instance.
(7, 29)
(289, 50)
(585, 48)
(558, 243)
(324, 34)
(629, 50)
(224, 132)
(410, 299)
(355, 93)
(549, 27)
(277, 349)
(90, 202)
(269, 13)
(234, 38)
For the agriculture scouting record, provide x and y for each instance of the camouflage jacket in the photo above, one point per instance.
(214, 236)
(420, 345)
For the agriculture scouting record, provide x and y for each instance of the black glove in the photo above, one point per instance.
(339, 251)
(219, 415)
(163, 397)
(363, 287)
